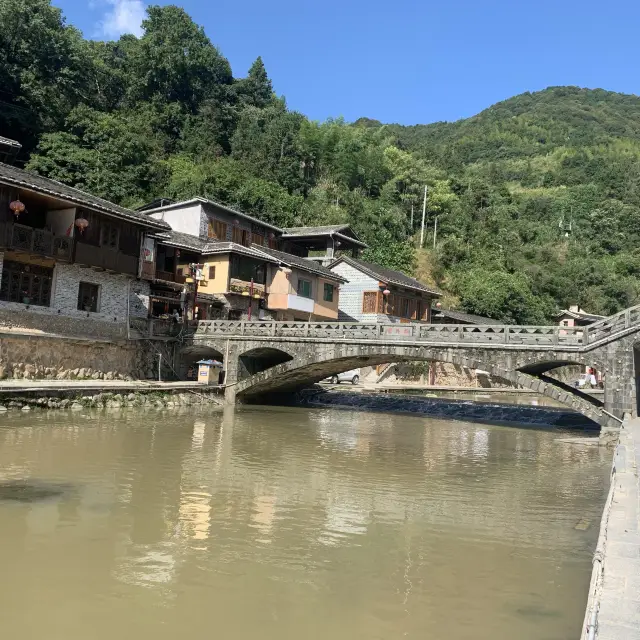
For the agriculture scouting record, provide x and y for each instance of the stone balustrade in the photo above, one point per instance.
(551, 336)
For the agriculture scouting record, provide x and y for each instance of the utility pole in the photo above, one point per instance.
(424, 213)
(412, 218)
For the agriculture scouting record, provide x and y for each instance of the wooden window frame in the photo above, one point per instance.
(298, 288)
(329, 289)
(212, 272)
(367, 296)
(257, 238)
(237, 235)
(19, 278)
(94, 295)
(106, 228)
(217, 229)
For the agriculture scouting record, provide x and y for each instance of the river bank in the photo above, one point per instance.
(451, 409)
(44, 394)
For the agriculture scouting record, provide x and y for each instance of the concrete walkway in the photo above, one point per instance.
(20, 386)
(613, 611)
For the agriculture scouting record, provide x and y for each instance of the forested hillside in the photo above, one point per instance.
(537, 198)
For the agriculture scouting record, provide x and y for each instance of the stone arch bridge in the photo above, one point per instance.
(263, 358)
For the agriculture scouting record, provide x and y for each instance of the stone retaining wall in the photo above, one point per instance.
(71, 399)
(48, 358)
(446, 375)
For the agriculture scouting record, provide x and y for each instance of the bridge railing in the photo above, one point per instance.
(444, 333)
(612, 325)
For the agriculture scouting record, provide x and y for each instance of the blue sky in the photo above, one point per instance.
(407, 61)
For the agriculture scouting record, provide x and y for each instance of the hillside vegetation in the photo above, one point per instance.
(537, 198)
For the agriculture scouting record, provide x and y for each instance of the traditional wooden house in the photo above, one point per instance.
(377, 294)
(71, 262)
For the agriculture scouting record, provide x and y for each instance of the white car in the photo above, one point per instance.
(352, 376)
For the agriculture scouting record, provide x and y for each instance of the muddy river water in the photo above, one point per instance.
(290, 523)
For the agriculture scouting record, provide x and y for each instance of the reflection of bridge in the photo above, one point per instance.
(266, 357)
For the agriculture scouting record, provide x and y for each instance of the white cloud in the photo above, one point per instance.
(123, 16)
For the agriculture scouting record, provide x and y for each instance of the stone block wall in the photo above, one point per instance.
(31, 318)
(36, 357)
(114, 292)
(139, 292)
(446, 375)
(118, 294)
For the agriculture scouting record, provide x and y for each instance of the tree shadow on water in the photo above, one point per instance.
(28, 491)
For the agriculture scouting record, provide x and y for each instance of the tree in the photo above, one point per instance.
(112, 156)
(500, 295)
(175, 61)
(256, 89)
(44, 69)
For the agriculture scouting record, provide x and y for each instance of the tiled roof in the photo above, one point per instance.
(8, 142)
(224, 207)
(233, 247)
(389, 276)
(300, 263)
(314, 231)
(181, 240)
(208, 247)
(327, 230)
(33, 182)
(579, 315)
(464, 318)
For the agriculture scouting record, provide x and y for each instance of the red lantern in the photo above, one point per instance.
(82, 224)
(17, 207)
(386, 292)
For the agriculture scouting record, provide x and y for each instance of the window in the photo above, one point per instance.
(328, 292)
(404, 307)
(109, 236)
(26, 283)
(217, 230)
(257, 238)
(246, 238)
(304, 288)
(237, 235)
(246, 268)
(372, 302)
(212, 273)
(88, 296)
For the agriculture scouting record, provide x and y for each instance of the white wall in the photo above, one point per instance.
(350, 301)
(61, 221)
(184, 220)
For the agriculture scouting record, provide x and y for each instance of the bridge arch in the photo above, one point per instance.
(306, 370)
(188, 357)
(260, 359)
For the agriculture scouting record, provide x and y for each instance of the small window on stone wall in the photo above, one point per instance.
(88, 296)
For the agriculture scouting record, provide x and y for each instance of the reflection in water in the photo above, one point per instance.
(288, 523)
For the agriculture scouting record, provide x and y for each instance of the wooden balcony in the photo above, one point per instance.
(168, 276)
(107, 259)
(19, 237)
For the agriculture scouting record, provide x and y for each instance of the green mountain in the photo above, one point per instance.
(537, 198)
(549, 201)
